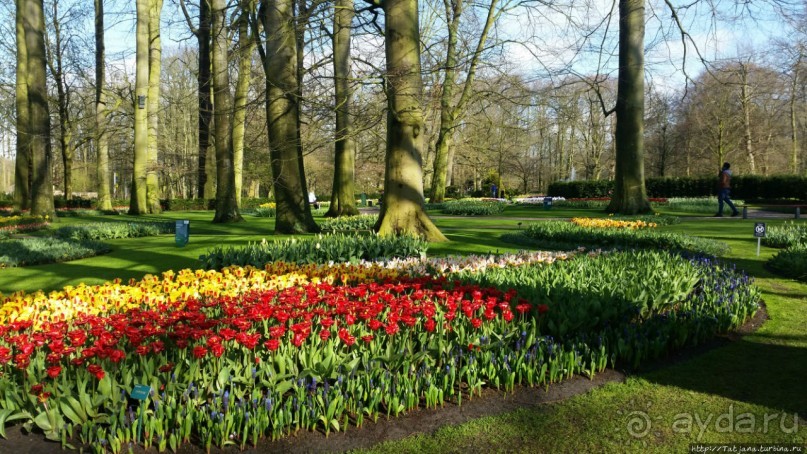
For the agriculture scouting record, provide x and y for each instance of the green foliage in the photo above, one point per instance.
(791, 262)
(320, 249)
(705, 205)
(640, 304)
(593, 204)
(788, 234)
(472, 207)
(587, 294)
(37, 251)
(264, 212)
(566, 235)
(345, 223)
(16, 224)
(659, 219)
(79, 212)
(111, 230)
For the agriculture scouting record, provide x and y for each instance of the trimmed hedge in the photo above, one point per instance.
(747, 187)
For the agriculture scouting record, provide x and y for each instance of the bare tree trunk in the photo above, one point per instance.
(22, 164)
(39, 126)
(343, 196)
(402, 212)
(450, 112)
(138, 203)
(246, 46)
(630, 196)
(155, 67)
(794, 137)
(203, 184)
(226, 205)
(62, 100)
(282, 115)
(101, 140)
(745, 100)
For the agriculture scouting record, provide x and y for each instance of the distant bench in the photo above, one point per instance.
(796, 208)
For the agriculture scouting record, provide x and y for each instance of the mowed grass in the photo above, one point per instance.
(750, 390)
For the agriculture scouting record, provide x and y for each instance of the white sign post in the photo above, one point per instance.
(759, 232)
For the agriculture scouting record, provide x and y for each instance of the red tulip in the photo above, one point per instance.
(54, 371)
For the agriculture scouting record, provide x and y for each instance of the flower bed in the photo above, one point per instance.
(10, 225)
(607, 223)
(236, 355)
(564, 235)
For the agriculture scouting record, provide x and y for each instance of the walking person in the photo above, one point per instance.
(724, 191)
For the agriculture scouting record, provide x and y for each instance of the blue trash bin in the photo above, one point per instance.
(547, 203)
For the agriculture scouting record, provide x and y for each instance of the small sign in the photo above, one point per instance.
(759, 229)
(140, 392)
(182, 232)
(547, 203)
(141, 101)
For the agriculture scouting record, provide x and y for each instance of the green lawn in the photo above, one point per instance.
(724, 395)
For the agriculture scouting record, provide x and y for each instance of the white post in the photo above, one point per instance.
(759, 240)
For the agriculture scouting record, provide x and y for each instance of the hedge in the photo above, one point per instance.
(747, 187)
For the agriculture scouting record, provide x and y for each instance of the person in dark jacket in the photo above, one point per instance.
(724, 191)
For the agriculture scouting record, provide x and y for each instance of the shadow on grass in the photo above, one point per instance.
(769, 374)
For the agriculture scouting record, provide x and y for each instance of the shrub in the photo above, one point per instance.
(320, 249)
(791, 262)
(566, 235)
(112, 230)
(37, 251)
(788, 234)
(473, 207)
(343, 223)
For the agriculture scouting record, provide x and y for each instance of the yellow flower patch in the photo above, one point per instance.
(612, 223)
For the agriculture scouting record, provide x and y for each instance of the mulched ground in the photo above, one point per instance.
(420, 421)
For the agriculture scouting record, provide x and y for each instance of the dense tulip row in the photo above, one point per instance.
(606, 223)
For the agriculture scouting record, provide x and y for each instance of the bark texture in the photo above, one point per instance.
(630, 195)
(402, 212)
(138, 203)
(22, 164)
(226, 206)
(343, 195)
(282, 115)
(39, 125)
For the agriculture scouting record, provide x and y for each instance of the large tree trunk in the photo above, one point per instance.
(226, 205)
(101, 140)
(282, 113)
(246, 47)
(630, 196)
(204, 185)
(155, 67)
(403, 210)
(39, 126)
(343, 196)
(22, 165)
(138, 203)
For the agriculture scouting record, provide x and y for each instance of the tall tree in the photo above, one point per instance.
(450, 109)
(403, 209)
(39, 125)
(138, 203)
(56, 63)
(101, 139)
(246, 48)
(155, 66)
(282, 116)
(205, 183)
(226, 205)
(630, 195)
(343, 196)
(22, 169)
